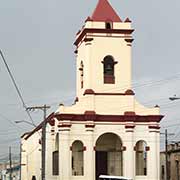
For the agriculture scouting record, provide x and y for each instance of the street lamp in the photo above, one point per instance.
(174, 98)
(27, 122)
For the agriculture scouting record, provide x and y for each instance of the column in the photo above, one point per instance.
(90, 153)
(158, 154)
(128, 154)
(64, 152)
(49, 151)
(152, 157)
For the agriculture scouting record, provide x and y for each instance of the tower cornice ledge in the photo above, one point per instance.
(96, 30)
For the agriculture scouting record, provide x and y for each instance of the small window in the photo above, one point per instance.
(81, 69)
(108, 25)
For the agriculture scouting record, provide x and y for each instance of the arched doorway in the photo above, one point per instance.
(109, 155)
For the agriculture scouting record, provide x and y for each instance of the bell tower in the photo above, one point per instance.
(103, 48)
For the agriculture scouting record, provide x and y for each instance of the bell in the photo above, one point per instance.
(109, 68)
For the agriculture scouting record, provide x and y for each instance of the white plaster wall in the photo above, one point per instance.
(116, 105)
(141, 132)
(92, 55)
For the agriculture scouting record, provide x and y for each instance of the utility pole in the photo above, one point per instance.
(10, 164)
(43, 143)
(166, 146)
(177, 169)
(166, 153)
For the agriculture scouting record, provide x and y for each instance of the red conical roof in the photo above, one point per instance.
(105, 12)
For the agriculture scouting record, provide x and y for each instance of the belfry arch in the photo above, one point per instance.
(109, 155)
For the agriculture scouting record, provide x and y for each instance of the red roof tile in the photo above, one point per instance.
(105, 12)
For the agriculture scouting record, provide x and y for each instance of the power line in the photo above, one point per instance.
(11, 122)
(135, 85)
(15, 85)
(150, 83)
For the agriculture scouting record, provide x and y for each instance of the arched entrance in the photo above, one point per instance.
(109, 155)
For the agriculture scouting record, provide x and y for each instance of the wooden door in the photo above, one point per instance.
(101, 163)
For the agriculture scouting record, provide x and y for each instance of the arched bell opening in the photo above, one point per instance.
(109, 155)
(109, 69)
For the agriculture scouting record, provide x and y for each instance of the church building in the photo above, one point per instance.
(106, 131)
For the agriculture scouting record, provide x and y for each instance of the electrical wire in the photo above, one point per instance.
(16, 87)
(150, 83)
(135, 85)
(11, 122)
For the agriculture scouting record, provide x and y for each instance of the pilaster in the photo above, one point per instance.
(128, 155)
(64, 151)
(90, 153)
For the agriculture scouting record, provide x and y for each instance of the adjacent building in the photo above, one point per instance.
(5, 171)
(173, 162)
(106, 131)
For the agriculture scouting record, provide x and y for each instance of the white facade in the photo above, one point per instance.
(106, 131)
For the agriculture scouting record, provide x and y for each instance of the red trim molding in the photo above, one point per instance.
(154, 127)
(90, 115)
(147, 148)
(130, 131)
(90, 125)
(93, 30)
(76, 100)
(129, 40)
(88, 39)
(129, 126)
(124, 148)
(88, 92)
(109, 118)
(84, 148)
(88, 19)
(49, 118)
(128, 92)
(109, 79)
(129, 113)
(23, 164)
(52, 122)
(64, 126)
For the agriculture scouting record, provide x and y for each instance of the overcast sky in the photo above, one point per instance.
(37, 38)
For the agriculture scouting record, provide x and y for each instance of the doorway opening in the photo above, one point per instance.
(109, 159)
